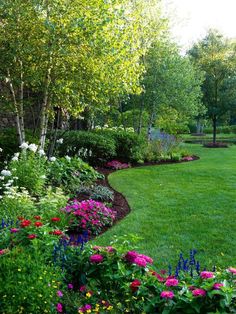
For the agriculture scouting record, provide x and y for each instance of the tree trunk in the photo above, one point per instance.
(18, 124)
(21, 105)
(44, 111)
(214, 129)
(149, 133)
(140, 119)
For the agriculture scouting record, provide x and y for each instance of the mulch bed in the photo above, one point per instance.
(216, 145)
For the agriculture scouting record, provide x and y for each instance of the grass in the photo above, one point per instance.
(177, 207)
(231, 137)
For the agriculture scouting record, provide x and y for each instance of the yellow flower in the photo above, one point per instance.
(88, 311)
(110, 308)
(19, 269)
(88, 295)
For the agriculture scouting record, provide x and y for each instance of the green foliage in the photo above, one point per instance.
(29, 170)
(90, 146)
(69, 173)
(97, 192)
(30, 285)
(16, 203)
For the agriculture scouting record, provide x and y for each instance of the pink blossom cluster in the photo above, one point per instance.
(187, 158)
(89, 215)
(116, 165)
(138, 259)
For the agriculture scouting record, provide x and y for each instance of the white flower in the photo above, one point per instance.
(33, 147)
(15, 158)
(0, 149)
(43, 177)
(41, 152)
(60, 141)
(24, 145)
(52, 158)
(2, 178)
(68, 158)
(6, 173)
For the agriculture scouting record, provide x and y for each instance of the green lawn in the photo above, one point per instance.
(231, 137)
(177, 207)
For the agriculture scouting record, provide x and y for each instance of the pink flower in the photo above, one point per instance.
(217, 286)
(70, 286)
(140, 261)
(110, 249)
(206, 275)
(82, 288)
(167, 295)
(2, 251)
(87, 307)
(14, 230)
(171, 282)
(32, 236)
(96, 258)
(59, 308)
(199, 293)
(232, 270)
(130, 256)
(59, 294)
(147, 258)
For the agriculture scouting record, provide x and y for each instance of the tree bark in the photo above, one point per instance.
(21, 105)
(18, 124)
(214, 129)
(140, 119)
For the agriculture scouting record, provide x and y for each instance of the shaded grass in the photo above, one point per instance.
(177, 207)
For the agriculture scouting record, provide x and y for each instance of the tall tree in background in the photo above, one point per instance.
(216, 56)
(72, 54)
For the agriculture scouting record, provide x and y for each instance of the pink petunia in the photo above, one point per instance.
(232, 270)
(199, 293)
(172, 282)
(96, 258)
(167, 294)
(217, 286)
(140, 261)
(206, 275)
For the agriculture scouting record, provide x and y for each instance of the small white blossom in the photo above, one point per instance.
(41, 152)
(33, 147)
(68, 158)
(16, 178)
(43, 177)
(24, 145)
(2, 178)
(6, 173)
(52, 158)
(15, 158)
(60, 141)
(0, 149)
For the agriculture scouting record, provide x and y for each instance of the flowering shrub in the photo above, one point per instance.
(89, 215)
(116, 165)
(187, 158)
(116, 278)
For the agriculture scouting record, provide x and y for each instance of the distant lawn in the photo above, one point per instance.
(231, 137)
(182, 206)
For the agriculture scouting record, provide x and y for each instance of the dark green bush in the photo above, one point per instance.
(130, 147)
(90, 146)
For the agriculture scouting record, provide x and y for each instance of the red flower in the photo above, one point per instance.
(25, 223)
(20, 218)
(55, 219)
(57, 232)
(135, 285)
(32, 236)
(38, 224)
(37, 217)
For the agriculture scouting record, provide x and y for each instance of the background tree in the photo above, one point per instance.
(216, 56)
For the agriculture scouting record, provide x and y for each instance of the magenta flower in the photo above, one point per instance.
(199, 293)
(206, 275)
(147, 258)
(167, 295)
(131, 255)
(140, 261)
(59, 308)
(59, 294)
(14, 230)
(171, 282)
(70, 286)
(232, 270)
(217, 286)
(96, 258)
(87, 307)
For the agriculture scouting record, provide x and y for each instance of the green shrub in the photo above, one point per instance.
(69, 173)
(90, 146)
(97, 192)
(30, 286)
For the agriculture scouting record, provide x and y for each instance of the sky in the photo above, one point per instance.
(192, 18)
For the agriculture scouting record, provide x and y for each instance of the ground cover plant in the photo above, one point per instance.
(177, 207)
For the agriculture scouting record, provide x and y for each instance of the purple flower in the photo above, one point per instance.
(59, 293)
(96, 258)
(70, 286)
(59, 308)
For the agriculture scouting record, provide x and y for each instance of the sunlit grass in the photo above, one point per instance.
(177, 207)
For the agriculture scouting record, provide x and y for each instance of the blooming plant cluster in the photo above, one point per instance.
(127, 282)
(89, 215)
(116, 165)
(187, 158)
